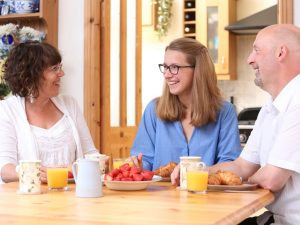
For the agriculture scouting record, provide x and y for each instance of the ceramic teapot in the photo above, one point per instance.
(87, 177)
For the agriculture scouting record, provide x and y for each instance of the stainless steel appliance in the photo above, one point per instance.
(246, 120)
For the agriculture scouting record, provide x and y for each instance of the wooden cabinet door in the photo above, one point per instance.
(212, 17)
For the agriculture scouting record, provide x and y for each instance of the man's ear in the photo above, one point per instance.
(281, 52)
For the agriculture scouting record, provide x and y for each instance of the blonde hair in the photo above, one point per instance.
(206, 97)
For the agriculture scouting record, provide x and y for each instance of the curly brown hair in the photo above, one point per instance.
(25, 66)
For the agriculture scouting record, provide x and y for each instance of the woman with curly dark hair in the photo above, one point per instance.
(36, 122)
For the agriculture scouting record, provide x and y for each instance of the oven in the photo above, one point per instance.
(246, 120)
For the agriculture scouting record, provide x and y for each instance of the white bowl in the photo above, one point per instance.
(130, 185)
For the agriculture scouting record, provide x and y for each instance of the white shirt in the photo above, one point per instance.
(17, 141)
(275, 140)
(56, 145)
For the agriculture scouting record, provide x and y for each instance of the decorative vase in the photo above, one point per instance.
(24, 6)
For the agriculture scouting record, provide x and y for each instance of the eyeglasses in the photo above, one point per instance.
(172, 68)
(56, 68)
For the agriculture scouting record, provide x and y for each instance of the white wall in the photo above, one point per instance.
(153, 50)
(70, 44)
(243, 9)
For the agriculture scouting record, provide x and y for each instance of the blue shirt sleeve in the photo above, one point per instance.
(145, 138)
(229, 147)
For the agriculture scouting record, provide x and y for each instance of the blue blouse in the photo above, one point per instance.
(162, 142)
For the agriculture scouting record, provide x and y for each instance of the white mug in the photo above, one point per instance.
(87, 177)
(99, 158)
(29, 176)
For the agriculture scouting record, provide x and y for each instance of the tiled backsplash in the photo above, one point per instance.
(244, 91)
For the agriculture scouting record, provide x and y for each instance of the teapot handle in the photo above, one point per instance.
(74, 170)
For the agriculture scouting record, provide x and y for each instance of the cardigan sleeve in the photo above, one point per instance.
(82, 129)
(8, 139)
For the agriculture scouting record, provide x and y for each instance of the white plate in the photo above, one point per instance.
(130, 185)
(242, 187)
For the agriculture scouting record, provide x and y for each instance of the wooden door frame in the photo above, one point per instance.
(97, 69)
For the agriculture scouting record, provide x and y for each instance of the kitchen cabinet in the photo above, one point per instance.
(45, 20)
(212, 16)
(205, 20)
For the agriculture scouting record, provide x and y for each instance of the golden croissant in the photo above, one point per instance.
(166, 170)
(225, 178)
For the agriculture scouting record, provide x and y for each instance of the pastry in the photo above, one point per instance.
(214, 179)
(229, 178)
(166, 170)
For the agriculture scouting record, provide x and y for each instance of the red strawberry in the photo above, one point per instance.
(147, 175)
(115, 172)
(126, 173)
(125, 167)
(119, 176)
(136, 170)
(70, 174)
(137, 177)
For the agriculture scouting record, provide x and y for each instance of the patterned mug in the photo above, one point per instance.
(29, 176)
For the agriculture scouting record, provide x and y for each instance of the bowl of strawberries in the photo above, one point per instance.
(129, 178)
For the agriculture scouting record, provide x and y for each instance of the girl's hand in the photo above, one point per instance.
(137, 160)
(175, 176)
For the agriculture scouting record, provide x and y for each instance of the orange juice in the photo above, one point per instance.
(197, 181)
(57, 178)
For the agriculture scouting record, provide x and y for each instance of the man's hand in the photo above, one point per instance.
(175, 176)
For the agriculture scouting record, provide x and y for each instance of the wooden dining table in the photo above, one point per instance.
(159, 203)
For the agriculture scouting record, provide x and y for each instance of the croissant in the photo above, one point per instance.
(229, 178)
(166, 170)
(214, 179)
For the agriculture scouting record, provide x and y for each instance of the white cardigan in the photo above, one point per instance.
(17, 140)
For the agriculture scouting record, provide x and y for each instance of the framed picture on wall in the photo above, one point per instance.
(149, 8)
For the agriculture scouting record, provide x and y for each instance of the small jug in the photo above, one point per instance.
(87, 177)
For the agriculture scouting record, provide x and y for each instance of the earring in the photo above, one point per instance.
(31, 98)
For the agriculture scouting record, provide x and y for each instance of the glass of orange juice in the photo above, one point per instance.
(197, 178)
(57, 178)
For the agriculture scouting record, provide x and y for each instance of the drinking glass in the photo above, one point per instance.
(197, 178)
(57, 178)
(185, 163)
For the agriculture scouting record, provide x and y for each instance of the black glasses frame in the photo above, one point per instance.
(173, 68)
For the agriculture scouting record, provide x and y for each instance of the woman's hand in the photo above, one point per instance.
(175, 176)
(43, 177)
